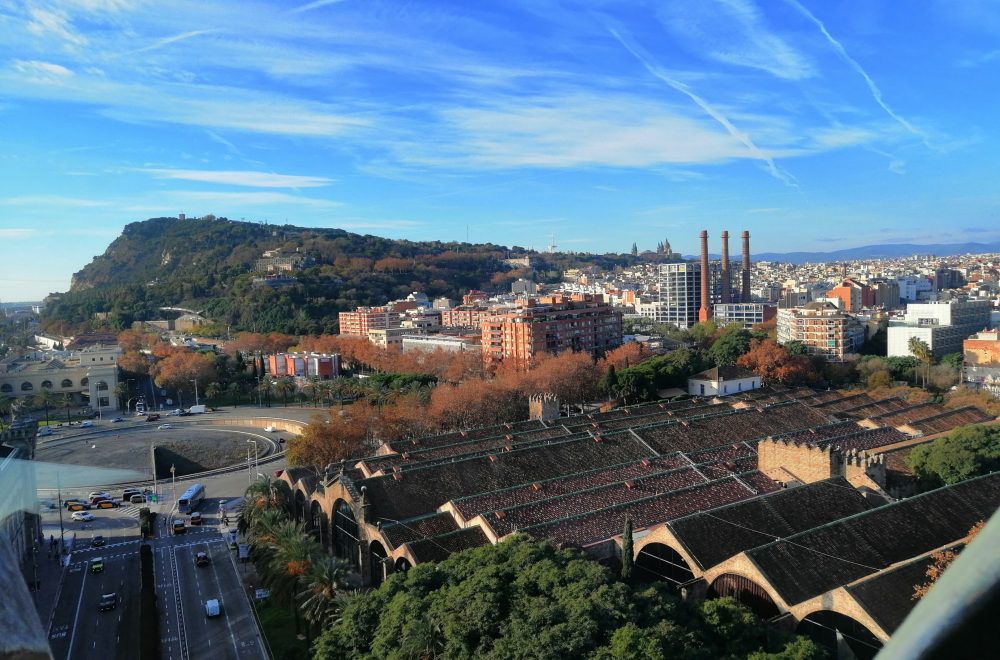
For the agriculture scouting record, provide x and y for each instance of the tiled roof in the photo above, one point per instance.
(888, 596)
(726, 373)
(437, 548)
(950, 419)
(415, 529)
(815, 561)
(657, 508)
(714, 536)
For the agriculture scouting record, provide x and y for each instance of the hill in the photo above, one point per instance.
(886, 251)
(207, 264)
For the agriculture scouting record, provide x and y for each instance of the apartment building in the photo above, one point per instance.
(465, 316)
(981, 363)
(304, 365)
(364, 319)
(746, 314)
(943, 325)
(551, 324)
(823, 329)
(853, 295)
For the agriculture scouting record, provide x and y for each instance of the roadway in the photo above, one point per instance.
(79, 631)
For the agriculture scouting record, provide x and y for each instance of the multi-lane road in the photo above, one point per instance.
(79, 631)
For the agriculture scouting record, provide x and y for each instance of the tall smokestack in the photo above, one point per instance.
(745, 288)
(725, 296)
(705, 312)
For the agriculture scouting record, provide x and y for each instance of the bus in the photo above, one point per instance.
(191, 498)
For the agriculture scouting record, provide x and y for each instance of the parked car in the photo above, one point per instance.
(94, 501)
(201, 559)
(78, 506)
(83, 516)
(86, 424)
(153, 417)
(100, 493)
(108, 504)
(97, 565)
(165, 426)
(213, 607)
(97, 541)
(118, 419)
(129, 492)
(107, 602)
(44, 431)
(138, 499)
(73, 500)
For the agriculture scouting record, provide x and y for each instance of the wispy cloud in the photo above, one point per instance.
(46, 22)
(52, 200)
(166, 41)
(42, 73)
(315, 5)
(715, 114)
(17, 232)
(248, 199)
(735, 32)
(242, 178)
(872, 87)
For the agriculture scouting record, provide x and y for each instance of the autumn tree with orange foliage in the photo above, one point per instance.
(942, 560)
(254, 342)
(774, 364)
(476, 403)
(626, 355)
(335, 436)
(573, 377)
(179, 368)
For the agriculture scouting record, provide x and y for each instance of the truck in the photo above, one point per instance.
(197, 409)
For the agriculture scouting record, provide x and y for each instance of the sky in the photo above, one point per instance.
(815, 125)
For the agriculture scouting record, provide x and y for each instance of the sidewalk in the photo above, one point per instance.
(50, 570)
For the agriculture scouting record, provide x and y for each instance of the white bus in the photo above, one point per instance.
(191, 498)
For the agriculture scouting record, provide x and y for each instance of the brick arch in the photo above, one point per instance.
(299, 507)
(379, 563)
(746, 591)
(346, 532)
(658, 562)
(823, 626)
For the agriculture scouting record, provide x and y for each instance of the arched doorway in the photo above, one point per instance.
(378, 567)
(314, 523)
(833, 630)
(746, 591)
(657, 562)
(345, 533)
(402, 565)
(299, 509)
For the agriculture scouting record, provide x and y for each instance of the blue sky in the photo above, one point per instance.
(815, 125)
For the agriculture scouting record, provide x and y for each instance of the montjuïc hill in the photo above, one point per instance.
(263, 278)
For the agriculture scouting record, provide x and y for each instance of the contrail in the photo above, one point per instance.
(772, 168)
(876, 93)
(174, 39)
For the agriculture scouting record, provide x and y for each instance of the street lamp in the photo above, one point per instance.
(195, 381)
(249, 474)
(256, 456)
(173, 484)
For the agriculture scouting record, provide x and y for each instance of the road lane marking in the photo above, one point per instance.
(76, 618)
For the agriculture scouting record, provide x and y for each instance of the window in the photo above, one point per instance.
(46, 384)
(84, 382)
(102, 386)
(6, 388)
(27, 387)
(67, 382)
(103, 402)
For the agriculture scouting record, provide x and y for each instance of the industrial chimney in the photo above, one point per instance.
(745, 288)
(705, 312)
(725, 295)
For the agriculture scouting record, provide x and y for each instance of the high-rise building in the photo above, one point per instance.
(552, 324)
(747, 314)
(823, 329)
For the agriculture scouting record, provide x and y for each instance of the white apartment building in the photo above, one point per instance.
(942, 325)
(823, 329)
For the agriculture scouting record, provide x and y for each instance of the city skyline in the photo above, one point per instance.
(601, 123)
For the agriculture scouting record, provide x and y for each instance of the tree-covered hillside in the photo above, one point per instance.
(206, 264)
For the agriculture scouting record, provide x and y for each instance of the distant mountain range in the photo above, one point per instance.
(886, 251)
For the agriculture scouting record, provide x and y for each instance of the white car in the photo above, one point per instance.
(86, 425)
(99, 493)
(213, 607)
(83, 516)
(165, 426)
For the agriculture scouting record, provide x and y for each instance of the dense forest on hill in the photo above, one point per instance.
(206, 264)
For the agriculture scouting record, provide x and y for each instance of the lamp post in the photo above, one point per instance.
(256, 456)
(152, 459)
(195, 381)
(173, 484)
(249, 474)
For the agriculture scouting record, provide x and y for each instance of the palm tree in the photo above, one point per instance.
(212, 391)
(284, 387)
(66, 401)
(323, 599)
(919, 348)
(5, 407)
(44, 399)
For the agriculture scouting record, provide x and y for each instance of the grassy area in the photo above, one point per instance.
(278, 626)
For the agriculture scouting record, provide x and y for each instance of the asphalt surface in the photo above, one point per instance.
(78, 631)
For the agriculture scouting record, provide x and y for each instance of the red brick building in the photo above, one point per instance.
(363, 319)
(551, 324)
(853, 295)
